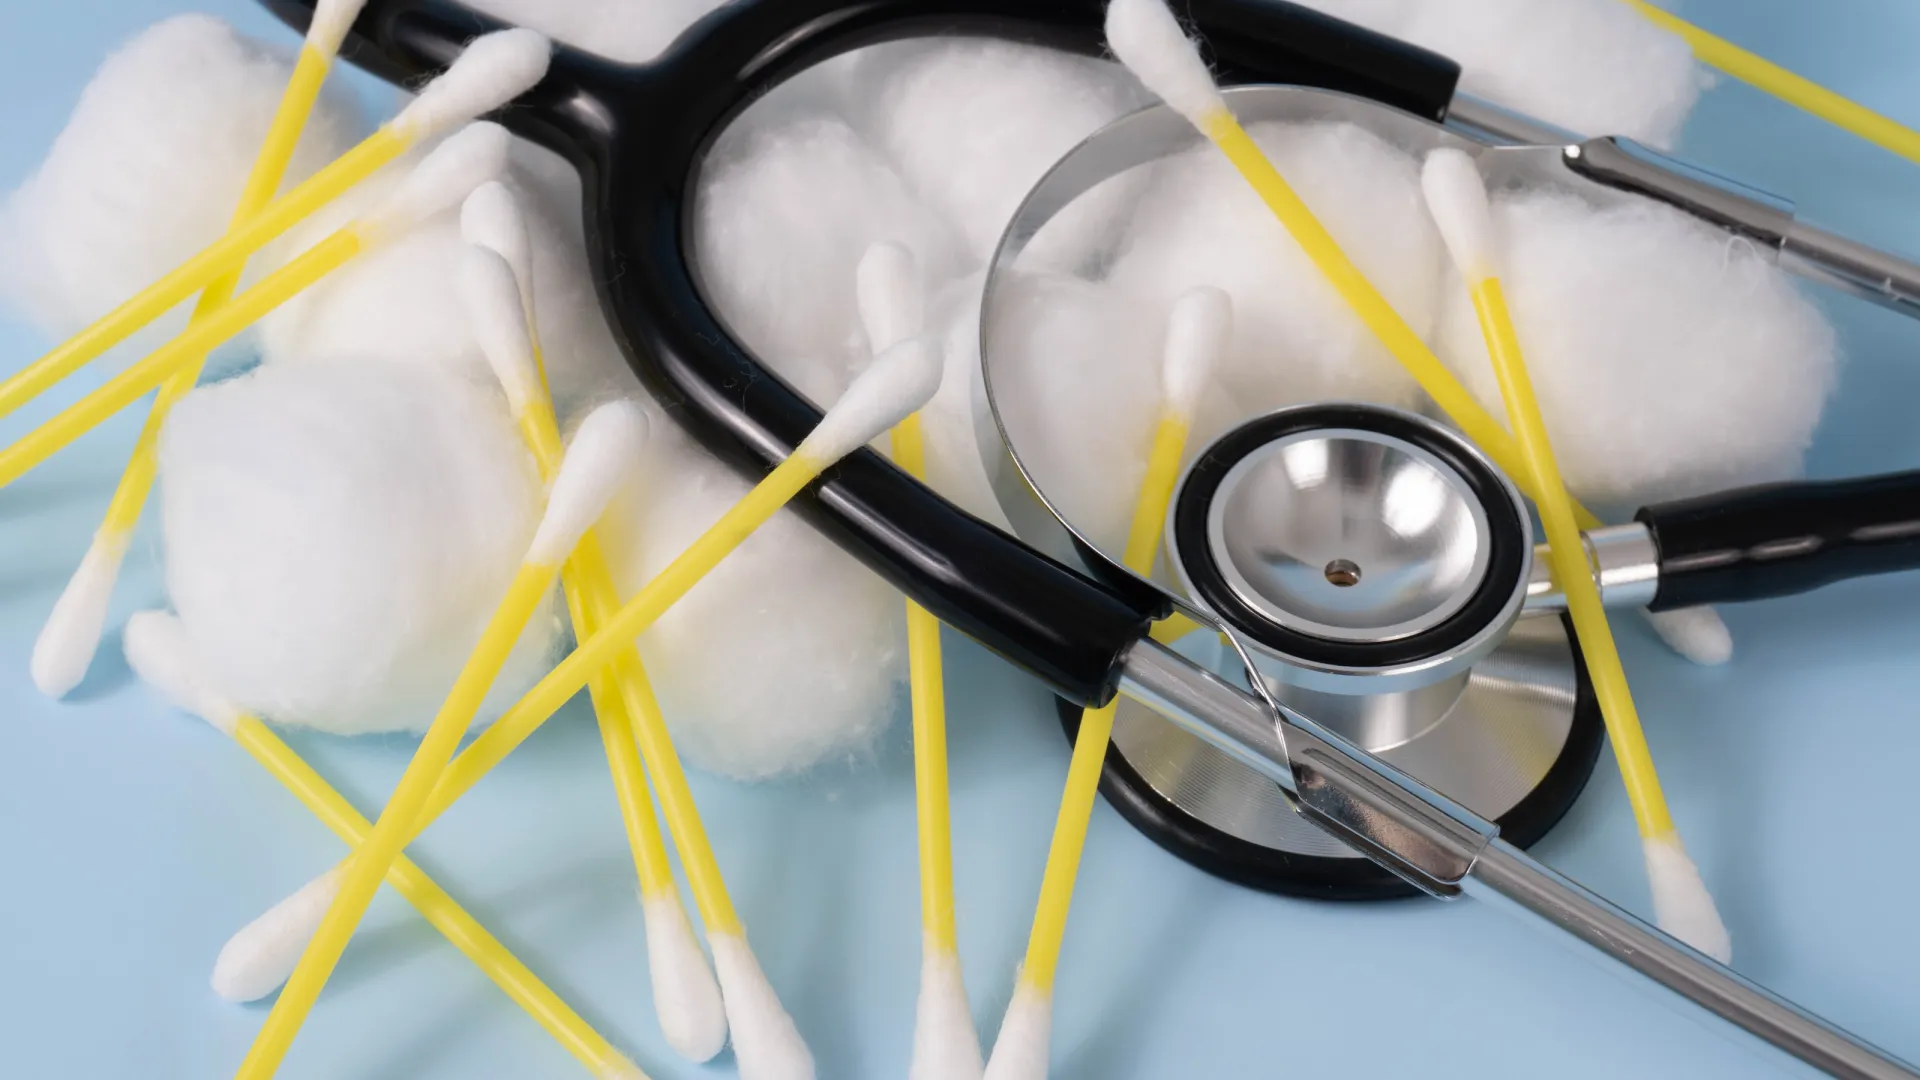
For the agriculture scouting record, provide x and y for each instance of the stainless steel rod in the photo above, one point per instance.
(1509, 872)
(1389, 805)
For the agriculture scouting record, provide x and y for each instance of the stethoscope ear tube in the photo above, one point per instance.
(1782, 539)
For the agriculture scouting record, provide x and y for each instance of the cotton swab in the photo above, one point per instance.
(492, 71)
(1145, 37)
(65, 648)
(686, 996)
(1457, 198)
(1197, 332)
(444, 177)
(1771, 78)
(945, 1045)
(158, 651)
(765, 1042)
(602, 454)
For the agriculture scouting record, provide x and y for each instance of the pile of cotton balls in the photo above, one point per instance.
(334, 519)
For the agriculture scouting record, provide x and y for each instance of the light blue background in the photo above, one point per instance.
(134, 840)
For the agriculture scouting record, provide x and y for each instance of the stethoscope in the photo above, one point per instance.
(637, 135)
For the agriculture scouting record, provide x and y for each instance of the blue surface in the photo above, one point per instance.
(136, 840)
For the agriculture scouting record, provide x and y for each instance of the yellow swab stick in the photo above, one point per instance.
(945, 1045)
(1146, 38)
(493, 70)
(444, 177)
(498, 296)
(1457, 198)
(1197, 330)
(602, 453)
(897, 385)
(1771, 78)
(158, 651)
(65, 647)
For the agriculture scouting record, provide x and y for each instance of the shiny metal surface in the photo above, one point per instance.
(1349, 535)
(1626, 567)
(1419, 834)
(1447, 850)
(1489, 748)
(1508, 876)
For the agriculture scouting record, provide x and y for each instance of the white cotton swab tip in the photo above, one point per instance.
(1021, 1050)
(331, 21)
(494, 69)
(766, 1045)
(1696, 633)
(945, 1045)
(602, 454)
(463, 161)
(157, 649)
(257, 960)
(492, 300)
(1681, 904)
(892, 388)
(1198, 328)
(1457, 199)
(1145, 36)
(892, 298)
(491, 218)
(686, 997)
(64, 650)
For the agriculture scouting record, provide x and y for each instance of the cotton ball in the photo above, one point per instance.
(619, 30)
(1670, 359)
(950, 424)
(1596, 67)
(784, 214)
(148, 171)
(338, 534)
(973, 124)
(790, 653)
(1294, 339)
(1077, 379)
(399, 302)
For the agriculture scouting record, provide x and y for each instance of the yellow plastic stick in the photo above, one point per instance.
(541, 431)
(370, 862)
(1771, 78)
(1096, 725)
(1365, 300)
(111, 539)
(934, 812)
(442, 911)
(193, 344)
(1570, 566)
(225, 256)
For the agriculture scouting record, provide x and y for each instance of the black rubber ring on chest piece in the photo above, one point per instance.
(1508, 536)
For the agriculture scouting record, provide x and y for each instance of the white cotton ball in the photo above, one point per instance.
(337, 534)
(1294, 338)
(784, 213)
(956, 467)
(1596, 67)
(972, 125)
(790, 653)
(1669, 358)
(1077, 379)
(400, 302)
(626, 31)
(149, 170)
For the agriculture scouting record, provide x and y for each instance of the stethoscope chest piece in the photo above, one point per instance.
(1372, 566)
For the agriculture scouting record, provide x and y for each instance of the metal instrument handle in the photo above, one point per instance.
(1446, 850)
